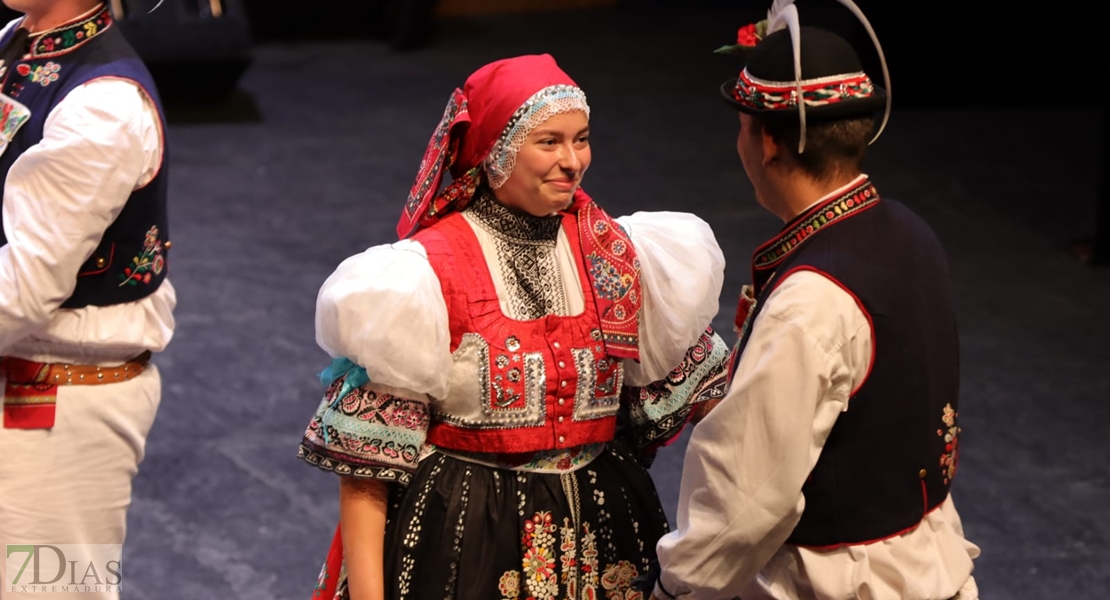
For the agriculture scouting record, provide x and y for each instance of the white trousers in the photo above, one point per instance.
(72, 484)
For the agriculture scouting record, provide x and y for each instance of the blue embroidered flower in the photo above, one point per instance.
(609, 283)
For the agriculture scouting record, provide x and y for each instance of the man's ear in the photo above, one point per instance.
(770, 147)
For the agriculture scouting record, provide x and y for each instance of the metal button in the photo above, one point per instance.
(923, 473)
(168, 244)
(100, 262)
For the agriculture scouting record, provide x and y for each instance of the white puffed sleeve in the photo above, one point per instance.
(384, 310)
(682, 271)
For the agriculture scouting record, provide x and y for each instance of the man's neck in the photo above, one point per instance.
(799, 193)
(56, 14)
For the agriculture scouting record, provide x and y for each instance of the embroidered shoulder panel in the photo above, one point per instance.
(614, 271)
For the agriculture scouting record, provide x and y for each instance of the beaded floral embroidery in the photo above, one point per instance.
(148, 264)
(951, 437)
(538, 580)
(617, 582)
(71, 36)
(45, 74)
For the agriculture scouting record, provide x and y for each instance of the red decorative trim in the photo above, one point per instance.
(928, 512)
(924, 499)
(759, 94)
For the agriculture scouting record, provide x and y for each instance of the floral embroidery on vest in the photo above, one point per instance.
(951, 444)
(44, 75)
(148, 264)
(72, 35)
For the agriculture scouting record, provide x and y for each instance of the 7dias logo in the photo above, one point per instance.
(62, 568)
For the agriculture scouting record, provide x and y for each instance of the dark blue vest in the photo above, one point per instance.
(131, 260)
(890, 458)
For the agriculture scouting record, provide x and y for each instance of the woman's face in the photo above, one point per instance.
(549, 166)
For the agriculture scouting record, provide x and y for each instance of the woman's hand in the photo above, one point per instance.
(362, 511)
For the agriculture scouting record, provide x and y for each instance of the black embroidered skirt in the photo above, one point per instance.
(467, 531)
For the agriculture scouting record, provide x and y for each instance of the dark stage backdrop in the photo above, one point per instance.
(950, 53)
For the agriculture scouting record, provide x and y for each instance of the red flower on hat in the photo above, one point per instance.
(747, 35)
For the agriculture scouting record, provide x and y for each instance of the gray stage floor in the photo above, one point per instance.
(263, 210)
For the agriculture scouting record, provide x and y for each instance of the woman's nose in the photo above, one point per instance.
(570, 161)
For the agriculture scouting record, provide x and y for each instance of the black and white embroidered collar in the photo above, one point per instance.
(511, 224)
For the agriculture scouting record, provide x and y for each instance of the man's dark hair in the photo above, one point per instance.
(831, 148)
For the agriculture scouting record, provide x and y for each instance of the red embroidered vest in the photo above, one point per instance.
(539, 385)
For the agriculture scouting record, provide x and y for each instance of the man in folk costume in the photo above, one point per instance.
(84, 298)
(825, 471)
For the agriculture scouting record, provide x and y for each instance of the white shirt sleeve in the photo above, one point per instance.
(682, 270)
(100, 143)
(384, 310)
(747, 461)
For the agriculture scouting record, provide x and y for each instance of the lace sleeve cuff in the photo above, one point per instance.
(659, 411)
(369, 432)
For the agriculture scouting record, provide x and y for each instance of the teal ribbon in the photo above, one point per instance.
(354, 377)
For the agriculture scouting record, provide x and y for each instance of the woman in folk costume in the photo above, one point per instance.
(482, 361)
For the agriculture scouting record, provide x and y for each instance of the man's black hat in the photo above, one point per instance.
(784, 61)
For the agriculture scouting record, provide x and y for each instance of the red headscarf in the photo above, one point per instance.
(473, 121)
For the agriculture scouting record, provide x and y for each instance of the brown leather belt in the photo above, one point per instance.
(25, 372)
